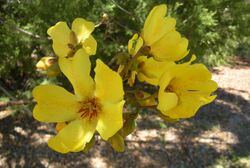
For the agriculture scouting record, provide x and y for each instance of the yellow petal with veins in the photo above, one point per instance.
(189, 105)
(186, 80)
(60, 34)
(154, 69)
(110, 119)
(54, 104)
(151, 70)
(74, 136)
(109, 87)
(167, 101)
(82, 28)
(156, 24)
(90, 45)
(171, 47)
(77, 70)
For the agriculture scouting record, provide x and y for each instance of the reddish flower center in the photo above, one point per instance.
(89, 108)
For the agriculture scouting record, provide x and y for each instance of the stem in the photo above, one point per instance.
(15, 102)
(13, 98)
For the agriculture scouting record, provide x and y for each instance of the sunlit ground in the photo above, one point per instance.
(219, 136)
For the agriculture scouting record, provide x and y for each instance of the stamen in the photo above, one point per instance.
(71, 46)
(169, 88)
(89, 108)
(73, 49)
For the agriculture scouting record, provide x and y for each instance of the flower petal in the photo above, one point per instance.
(171, 47)
(167, 101)
(60, 34)
(54, 104)
(153, 81)
(90, 45)
(195, 77)
(156, 24)
(77, 70)
(82, 28)
(189, 104)
(156, 13)
(110, 119)
(74, 136)
(154, 69)
(109, 87)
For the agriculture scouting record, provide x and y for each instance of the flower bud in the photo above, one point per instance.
(49, 65)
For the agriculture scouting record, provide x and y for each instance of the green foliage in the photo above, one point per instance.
(214, 28)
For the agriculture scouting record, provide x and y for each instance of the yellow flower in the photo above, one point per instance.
(184, 88)
(48, 64)
(66, 42)
(96, 105)
(160, 36)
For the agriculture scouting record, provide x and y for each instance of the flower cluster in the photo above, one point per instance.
(97, 104)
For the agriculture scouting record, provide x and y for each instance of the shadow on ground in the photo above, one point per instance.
(220, 130)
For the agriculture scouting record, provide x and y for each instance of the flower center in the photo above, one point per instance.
(169, 88)
(89, 108)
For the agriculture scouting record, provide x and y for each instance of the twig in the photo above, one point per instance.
(14, 103)
(27, 32)
(123, 26)
(121, 8)
(5, 113)
(13, 98)
(7, 93)
(13, 26)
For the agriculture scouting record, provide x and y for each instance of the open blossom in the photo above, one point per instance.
(160, 36)
(66, 42)
(184, 88)
(97, 104)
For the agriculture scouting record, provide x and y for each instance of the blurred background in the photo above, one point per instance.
(218, 33)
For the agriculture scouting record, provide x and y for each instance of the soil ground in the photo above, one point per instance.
(218, 136)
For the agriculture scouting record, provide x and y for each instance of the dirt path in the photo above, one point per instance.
(218, 136)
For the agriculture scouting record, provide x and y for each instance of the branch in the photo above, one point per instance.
(13, 26)
(27, 32)
(14, 103)
(13, 98)
(5, 113)
(121, 8)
